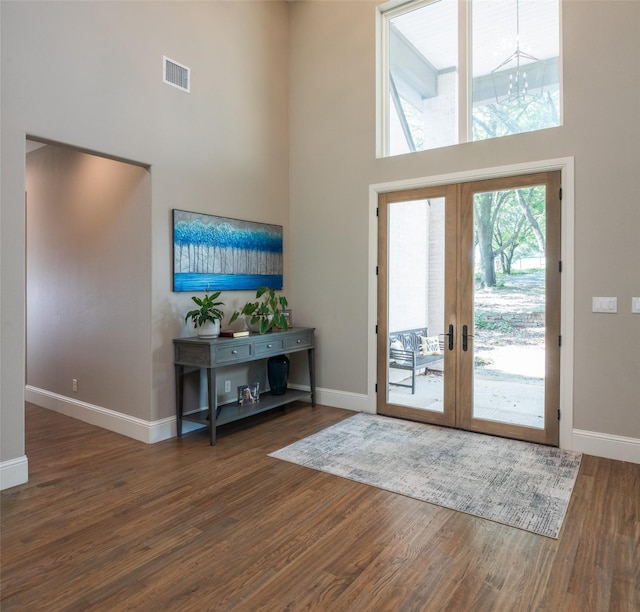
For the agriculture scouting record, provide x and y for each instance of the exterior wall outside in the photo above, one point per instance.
(435, 289)
(416, 266)
(440, 113)
(408, 265)
(438, 117)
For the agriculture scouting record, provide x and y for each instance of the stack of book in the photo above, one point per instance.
(234, 333)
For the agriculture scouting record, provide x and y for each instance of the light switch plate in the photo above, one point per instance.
(635, 305)
(605, 304)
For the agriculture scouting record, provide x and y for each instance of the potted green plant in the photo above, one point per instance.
(266, 311)
(206, 318)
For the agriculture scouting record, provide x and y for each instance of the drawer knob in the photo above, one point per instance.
(234, 352)
(299, 341)
(269, 345)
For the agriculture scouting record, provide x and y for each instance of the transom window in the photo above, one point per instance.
(456, 72)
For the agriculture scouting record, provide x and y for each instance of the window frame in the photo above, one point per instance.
(393, 8)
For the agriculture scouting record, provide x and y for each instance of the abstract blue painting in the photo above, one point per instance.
(217, 253)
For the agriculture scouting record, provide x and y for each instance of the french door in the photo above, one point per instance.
(469, 306)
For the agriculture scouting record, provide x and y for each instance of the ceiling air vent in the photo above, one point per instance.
(176, 75)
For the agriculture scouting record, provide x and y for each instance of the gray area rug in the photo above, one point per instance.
(515, 483)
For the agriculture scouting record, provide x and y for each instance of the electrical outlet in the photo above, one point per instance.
(227, 386)
(635, 305)
(74, 385)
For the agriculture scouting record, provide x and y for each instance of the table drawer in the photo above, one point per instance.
(195, 355)
(236, 352)
(269, 347)
(298, 341)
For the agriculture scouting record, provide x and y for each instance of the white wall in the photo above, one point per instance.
(89, 75)
(333, 163)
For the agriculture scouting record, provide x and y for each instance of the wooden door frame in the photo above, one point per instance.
(450, 193)
(550, 433)
(566, 165)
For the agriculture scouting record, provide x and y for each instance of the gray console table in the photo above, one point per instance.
(213, 354)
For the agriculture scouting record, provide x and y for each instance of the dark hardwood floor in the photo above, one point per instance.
(108, 523)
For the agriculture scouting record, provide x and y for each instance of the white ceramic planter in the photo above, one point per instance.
(209, 329)
(255, 328)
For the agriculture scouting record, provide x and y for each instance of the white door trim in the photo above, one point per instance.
(566, 166)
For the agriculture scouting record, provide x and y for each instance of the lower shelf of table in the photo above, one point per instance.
(227, 413)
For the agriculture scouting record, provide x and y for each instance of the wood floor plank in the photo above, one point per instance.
(107, 523)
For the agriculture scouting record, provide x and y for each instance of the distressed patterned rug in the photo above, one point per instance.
(519, 484)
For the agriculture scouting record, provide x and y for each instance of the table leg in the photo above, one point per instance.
(312, 375)
(212, 394)
(179, 370)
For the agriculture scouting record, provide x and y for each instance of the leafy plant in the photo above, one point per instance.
(482, 321)
(207, 310)
(480, 361)
(265, 311)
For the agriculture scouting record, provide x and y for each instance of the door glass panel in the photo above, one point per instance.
(416, 315)
(509, 306)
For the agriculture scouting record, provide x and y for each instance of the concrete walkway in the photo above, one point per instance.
(509, 390)
(509, 385)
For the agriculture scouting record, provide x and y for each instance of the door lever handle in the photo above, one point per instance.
(450, 334)
(465, 337)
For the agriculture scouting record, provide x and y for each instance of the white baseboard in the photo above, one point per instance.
(588, 442)
(132, 427)
(606, 445)
(14, 472)
(358, 402)
(156, 431)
